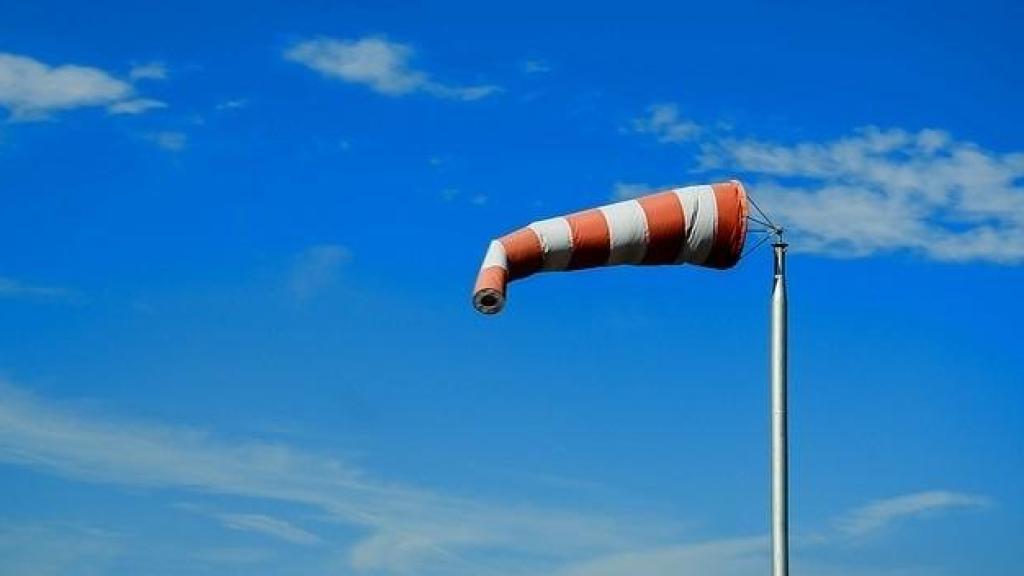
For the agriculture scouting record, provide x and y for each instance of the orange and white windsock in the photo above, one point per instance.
(702, 225)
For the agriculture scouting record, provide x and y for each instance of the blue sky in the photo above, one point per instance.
(237, 243)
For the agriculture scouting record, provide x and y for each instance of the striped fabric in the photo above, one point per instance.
(702, 225)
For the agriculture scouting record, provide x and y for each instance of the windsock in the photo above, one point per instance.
(702, 225)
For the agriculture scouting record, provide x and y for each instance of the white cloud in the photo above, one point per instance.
(269, 526)
(148, 71)
(384, 66)
(403, 530)
(170, 140)
(317, 268)
(748, 556)
(873, 191)
(882, 190)
(627, 190)
(32, 90)
(664, 122)
(881, 513)
(136, 106)
(406, 530)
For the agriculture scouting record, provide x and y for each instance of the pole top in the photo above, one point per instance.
(779, 243)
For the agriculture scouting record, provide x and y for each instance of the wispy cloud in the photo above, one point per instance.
(170, 140)
(53, 549)
(875, 190)
(232, 556)
(380, 64)
(11, 288)
(748, 556)
(32, 90)
(726, 557)
(407, 530)
(274, 527)
(233, 104)
(317, 268)
(148, 71)
(879, 514)
(627, 190)
(664, 122)
(136, 106)
(535, 66)
(452, 195)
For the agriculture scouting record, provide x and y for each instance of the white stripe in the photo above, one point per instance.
(556, 241)
(495, 256)
(627, 228)
(701, 213)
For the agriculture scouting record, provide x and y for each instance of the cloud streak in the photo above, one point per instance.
(406, 529)
(748, 556)
(53, 549)
(136, 106)
(170, 140)
(535, 66)
(11, 288)
(273, 527)
(379, 64)
(148, 71)
(400, 530)
(879, 514)
(725, 557)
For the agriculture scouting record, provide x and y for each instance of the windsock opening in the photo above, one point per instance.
(489, 292)
(489, 301)
(701, 225)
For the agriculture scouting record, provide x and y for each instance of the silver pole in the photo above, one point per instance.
(780, 447)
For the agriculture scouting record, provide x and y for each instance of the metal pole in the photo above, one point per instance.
(780, 447)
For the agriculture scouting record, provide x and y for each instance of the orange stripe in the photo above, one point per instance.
(524, 252)
(492, 278)
(591, 239)
(731, 231)
(666, 227)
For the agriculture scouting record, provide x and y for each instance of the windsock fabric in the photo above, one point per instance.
(702, 225)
